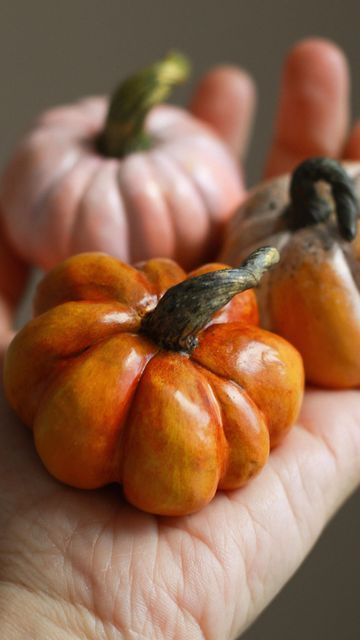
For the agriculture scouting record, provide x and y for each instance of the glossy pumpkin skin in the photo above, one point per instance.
(106, 404)
(60, 196)
(312, 297)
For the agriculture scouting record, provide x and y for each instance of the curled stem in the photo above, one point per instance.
(309, 207)
(124, 126)
(187, 307)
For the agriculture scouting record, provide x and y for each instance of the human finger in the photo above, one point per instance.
(225, 99)
(313, 113)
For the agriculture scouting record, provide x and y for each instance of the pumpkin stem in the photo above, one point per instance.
(124, 126)
(308, 206)
(187, 307)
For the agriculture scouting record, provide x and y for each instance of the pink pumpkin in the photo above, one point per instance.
(133, 179)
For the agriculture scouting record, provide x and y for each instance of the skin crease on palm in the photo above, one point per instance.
(85, 565)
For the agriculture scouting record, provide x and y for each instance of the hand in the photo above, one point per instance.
(78, 564)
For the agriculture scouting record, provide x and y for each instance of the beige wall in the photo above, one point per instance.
(52, 52)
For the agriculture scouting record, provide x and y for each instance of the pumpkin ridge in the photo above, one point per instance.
(271, 370)
(204, 372)
(219, 375)
(154, 282)
(124, 432)
(83, 420)
(53, 184)
(196, 194)
(142, 208)
(54, 208)
(100, 271)
(255, 445)
(172, 215)
(210, 404)
(71, 238)
(177, 163)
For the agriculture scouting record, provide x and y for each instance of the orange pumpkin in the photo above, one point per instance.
(129, 179)
(123, 379)
(312, 298)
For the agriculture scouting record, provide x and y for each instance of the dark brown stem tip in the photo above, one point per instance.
(309, 207)
(187, 307)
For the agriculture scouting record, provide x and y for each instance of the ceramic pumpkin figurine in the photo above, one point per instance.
(312, 298)
(126, 375)
(125, 178)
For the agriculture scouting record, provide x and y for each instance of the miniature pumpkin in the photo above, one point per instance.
(312, 298)
(123, 379)
(137, 183)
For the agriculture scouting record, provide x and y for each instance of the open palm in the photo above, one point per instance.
(77, 564)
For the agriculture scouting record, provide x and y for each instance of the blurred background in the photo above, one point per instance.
(53, 52)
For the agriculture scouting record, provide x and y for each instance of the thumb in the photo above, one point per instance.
(225, 100)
